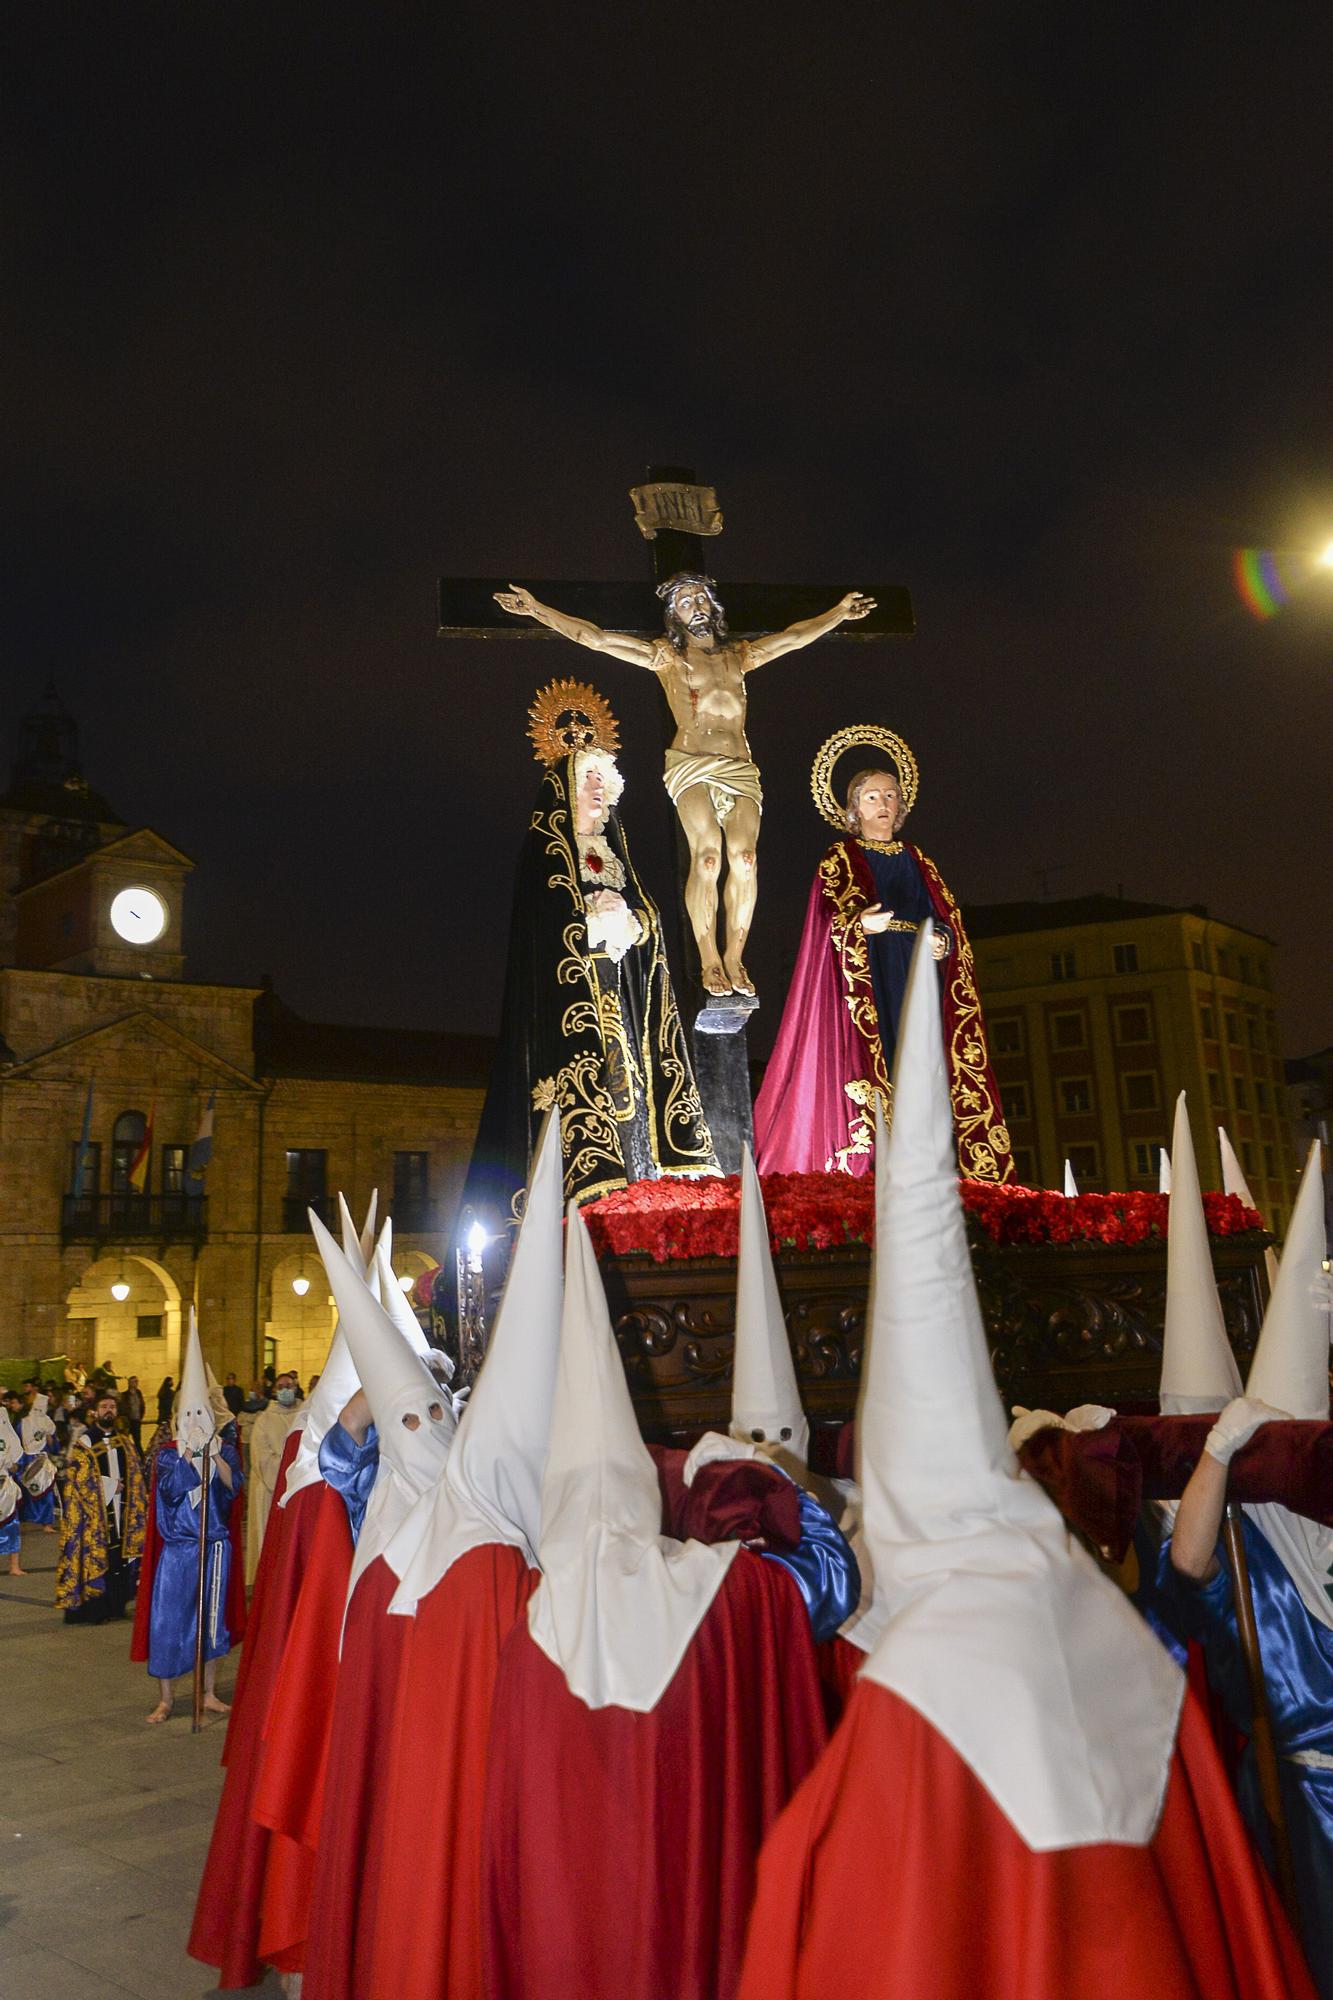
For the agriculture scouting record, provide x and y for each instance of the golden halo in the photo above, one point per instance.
(569, 716)
(874, 738)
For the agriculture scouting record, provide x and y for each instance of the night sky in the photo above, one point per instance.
(1027, 307)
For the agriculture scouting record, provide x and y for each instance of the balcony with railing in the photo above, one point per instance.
(134, 1218)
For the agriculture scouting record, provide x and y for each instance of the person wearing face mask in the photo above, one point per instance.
(589, 1020)
(105, 1511)
(268, 1435)
(833, 1057)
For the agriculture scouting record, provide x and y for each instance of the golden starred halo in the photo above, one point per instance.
(872, 737)
(569, 716)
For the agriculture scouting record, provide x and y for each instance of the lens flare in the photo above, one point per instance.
(1259, 582)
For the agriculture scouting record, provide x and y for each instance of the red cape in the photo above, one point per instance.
(419, 1811)
(226, 1919)
(964, 1908)
(619, 1849)
(289, 1786)
(143, 1603)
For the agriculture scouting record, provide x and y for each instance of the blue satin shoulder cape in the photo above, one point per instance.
(350, 1468)
(824, 1568)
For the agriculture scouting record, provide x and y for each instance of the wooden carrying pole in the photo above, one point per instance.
(1265, 1748)
(198, 1720)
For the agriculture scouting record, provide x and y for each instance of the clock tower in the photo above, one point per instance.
(79, 890)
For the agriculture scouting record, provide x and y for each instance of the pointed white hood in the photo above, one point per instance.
(765, 1401)
(11, 1451)
(492, 1485)
(196, 1425)
(619, 1601)
(1234, 1182)
(1071, 1185)
(1290, 1371)
(398, 1386)
(996, 1627)
(1199, 1371)
(37, 1430)
(338, 1381)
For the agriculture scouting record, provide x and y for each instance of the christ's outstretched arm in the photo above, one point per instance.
(774, 644)
(620, 645)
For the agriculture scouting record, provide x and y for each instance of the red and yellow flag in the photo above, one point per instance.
(138, 1174)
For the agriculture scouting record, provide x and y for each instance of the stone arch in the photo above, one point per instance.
(117, 1337)
(299, 1328)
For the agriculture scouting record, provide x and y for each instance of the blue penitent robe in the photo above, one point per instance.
(10, 1535)
(350, 1468)
(1298, 1674)
(823, 1567)
(171, 1629)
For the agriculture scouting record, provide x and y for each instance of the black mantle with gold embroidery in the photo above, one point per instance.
(572, 1038)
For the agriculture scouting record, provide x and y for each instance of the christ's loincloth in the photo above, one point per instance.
(727, 778)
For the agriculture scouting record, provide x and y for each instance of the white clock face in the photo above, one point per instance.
(138, 915)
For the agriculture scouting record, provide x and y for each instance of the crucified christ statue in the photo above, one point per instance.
(710, 776)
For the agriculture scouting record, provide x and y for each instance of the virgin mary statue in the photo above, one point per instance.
(588, 1022)
(834, 1053)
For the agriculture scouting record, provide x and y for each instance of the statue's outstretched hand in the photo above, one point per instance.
(875, 918)
(854, 605)
(521, 602)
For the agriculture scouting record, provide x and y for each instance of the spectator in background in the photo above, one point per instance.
(165, 1396)
(132, 1412)
(233, 1395)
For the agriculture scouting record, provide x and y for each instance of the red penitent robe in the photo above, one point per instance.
(289, 1788)
(412, 1801)
(619, 1849)
(226, 1919)
(963, 1908)
(349, 1859)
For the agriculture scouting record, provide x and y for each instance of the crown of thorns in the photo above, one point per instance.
(569, 716)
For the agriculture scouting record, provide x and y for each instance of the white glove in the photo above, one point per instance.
(1029, 1422)
(713, 1445)
(1237, 1425)
(1088, 1417)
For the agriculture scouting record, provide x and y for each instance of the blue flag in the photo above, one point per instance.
(83, 1151)
(201, 1149)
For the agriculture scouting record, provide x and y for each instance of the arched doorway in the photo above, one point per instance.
(301, 1315)
(127, 1308)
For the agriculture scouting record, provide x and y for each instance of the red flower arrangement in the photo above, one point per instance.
(673, 1221)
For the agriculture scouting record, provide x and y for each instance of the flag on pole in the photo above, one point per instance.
(83, 1151)
(138, 1173)
(201, 1148)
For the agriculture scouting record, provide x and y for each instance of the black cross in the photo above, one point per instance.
(468, 609)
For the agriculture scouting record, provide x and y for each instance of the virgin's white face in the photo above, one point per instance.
(591, 803)
(880, 807)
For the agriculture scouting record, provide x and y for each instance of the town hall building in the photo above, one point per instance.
(106, 1236)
